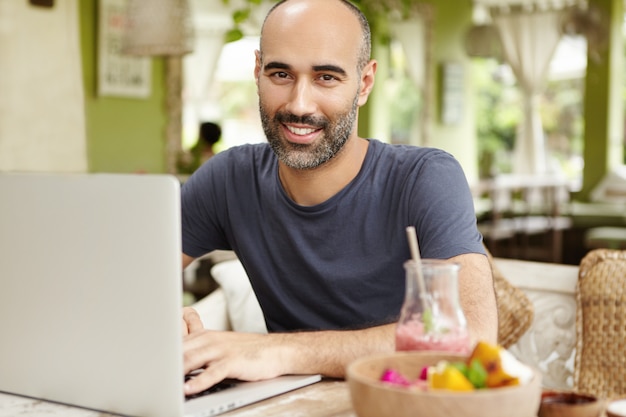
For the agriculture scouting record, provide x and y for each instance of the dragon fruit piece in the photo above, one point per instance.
(420, 385)
(393, 377)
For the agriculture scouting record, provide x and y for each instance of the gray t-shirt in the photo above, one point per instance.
(339, 264)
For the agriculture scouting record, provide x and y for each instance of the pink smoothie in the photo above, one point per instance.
(410, 336)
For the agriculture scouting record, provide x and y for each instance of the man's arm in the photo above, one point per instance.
(478, 297)
(187, 260)
(249, 356)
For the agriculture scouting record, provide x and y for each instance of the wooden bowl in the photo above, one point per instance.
(569, 404)
(372, 398)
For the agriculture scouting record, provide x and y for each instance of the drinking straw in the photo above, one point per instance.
(415, 254)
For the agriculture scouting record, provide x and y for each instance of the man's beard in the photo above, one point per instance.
(299, 156)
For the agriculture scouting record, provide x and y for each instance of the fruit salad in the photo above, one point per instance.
(488, 366)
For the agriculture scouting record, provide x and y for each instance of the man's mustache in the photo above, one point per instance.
(316, 122)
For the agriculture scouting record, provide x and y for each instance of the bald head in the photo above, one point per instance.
(323, 13)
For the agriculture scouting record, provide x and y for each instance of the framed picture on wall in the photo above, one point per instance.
(118, 74)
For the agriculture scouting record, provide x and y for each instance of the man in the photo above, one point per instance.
(318, 217)
(208, 135)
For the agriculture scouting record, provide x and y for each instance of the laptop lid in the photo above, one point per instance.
(90, 290)
(90, 296)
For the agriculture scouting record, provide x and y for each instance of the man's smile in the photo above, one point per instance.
(300, 130)
(301, 135)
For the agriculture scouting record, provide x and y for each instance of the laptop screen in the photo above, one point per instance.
(90, 294)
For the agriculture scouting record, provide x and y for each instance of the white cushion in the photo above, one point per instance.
(212, 311)
(612, 188)
(244, 312)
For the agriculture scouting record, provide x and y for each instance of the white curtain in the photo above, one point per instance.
(529, 40)
(199, 70)
(411, 35)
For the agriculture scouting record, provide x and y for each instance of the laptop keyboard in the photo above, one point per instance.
(220, 386)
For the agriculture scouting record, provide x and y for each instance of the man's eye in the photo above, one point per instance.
(280, 74)
(327, 77)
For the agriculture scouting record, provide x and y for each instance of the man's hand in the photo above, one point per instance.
(253, 357)
(191, 321)
(244, 356)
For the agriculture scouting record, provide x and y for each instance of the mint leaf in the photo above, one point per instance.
(427, 319)
(477, 374)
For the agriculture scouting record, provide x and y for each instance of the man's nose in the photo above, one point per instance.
(302, 99)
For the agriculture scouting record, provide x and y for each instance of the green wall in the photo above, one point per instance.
(123, 134)
(603, 114)
(452, 20)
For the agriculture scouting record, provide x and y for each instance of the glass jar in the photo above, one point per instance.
(432, 319)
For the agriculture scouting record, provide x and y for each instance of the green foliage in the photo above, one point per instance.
(499, 106)
(233, 35)
(405, 103)
(239, 16)
(400, 8)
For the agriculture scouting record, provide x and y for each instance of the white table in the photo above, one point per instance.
(329, 398)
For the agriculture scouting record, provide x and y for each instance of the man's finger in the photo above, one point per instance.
(203, 380)
(191, 321)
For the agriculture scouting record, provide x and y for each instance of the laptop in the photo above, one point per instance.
(91, 295)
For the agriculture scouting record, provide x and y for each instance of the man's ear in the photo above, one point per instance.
(257, 66)
(368, 74)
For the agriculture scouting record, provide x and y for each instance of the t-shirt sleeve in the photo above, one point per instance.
(444, 209)
(202, 208)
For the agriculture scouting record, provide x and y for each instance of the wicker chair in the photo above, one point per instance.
(515, 310)
(600, 362)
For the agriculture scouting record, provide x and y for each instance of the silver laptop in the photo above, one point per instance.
(90, 296)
